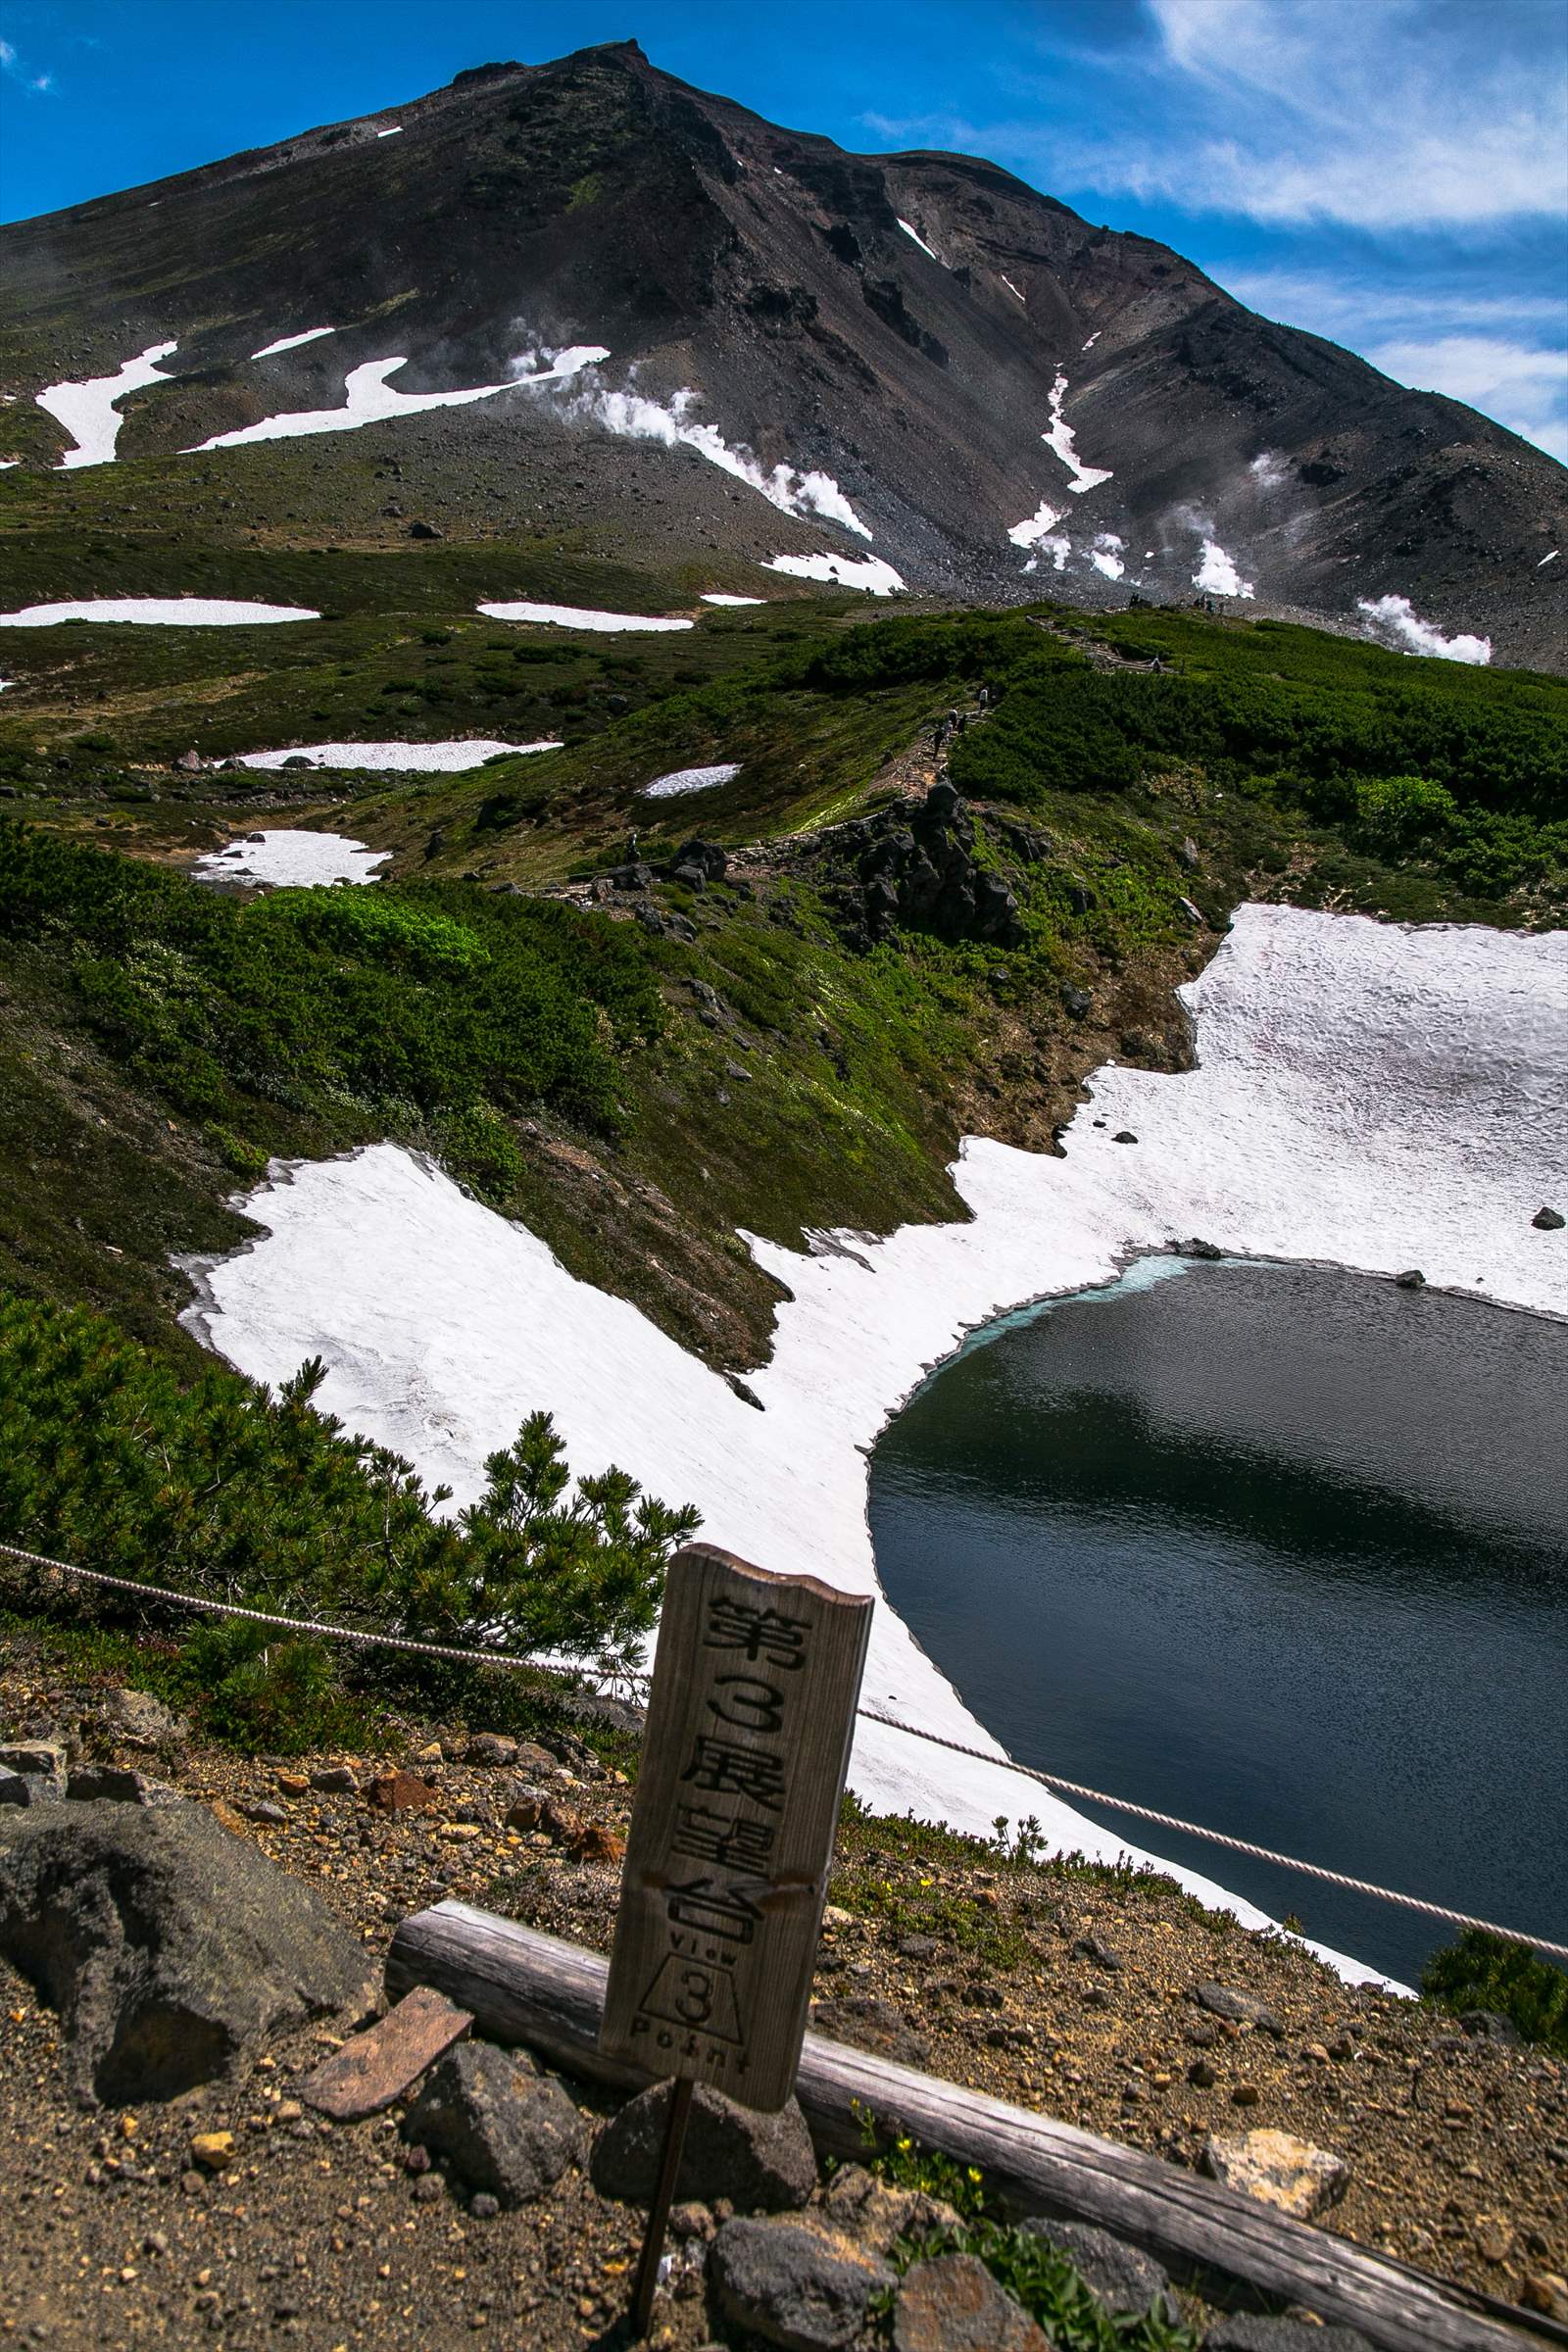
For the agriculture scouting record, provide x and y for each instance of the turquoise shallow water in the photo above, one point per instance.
(1275, 1547)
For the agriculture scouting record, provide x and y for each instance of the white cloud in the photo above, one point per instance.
(1383, 114)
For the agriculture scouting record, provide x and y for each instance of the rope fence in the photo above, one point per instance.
(362, 1638)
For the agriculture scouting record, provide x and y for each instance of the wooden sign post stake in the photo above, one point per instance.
(743, 1758)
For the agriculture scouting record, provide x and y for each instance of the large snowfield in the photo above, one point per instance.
(1366, 1095)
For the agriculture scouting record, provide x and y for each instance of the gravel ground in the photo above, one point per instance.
(1060, 1990)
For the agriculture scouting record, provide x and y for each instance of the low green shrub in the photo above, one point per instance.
(225, 1491)
(1477, 1971)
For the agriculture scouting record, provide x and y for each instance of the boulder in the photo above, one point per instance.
(1548, 1220)
(1128, 2283)
(138, 1720)
(170, 1948)
(1412, 1279)
(762, 2163)
(32, 1771)
(788, 2283)
(954, 2305)
(1279, 2170)
(504, 2126)
(1242, 2008)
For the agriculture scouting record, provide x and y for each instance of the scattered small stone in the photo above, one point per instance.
(691, 2219)
(491, 1749)
(1124, 1135)
(954, 2305)
(1412, 1279)
(1246, 2094)
(788, 2283)
(270, 1816)
(1279, 2170)
(483, 2206)
(400, 1792)
(870, 2022)
(336, 1780)
(213, 2151)
(765, 2162)
(1493, 2236)
(117, 1783)
(1202, 2073)
(1240, 2008)
(1091, 1947)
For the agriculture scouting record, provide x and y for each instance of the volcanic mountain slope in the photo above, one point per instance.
(920, 362)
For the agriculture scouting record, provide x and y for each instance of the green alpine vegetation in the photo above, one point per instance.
(220, 1489)
(1481, 1971)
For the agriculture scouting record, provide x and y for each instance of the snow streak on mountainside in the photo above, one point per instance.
(914, 350)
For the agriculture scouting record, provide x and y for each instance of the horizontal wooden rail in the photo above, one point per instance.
(523, 1986)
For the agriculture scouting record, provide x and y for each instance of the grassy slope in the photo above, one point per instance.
(862, 1070)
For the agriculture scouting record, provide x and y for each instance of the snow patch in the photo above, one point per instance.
(1033, 528)
(371, 400)
(292, 860)
(1105, 555)
(88, 410)
(1013, 289)
(1393, 621)
(391, 132)
(1364, 1094)
(911, 230)
(1094, 338)
(866, 572)
(638, 418)
(9, 465)
(1217, 575)
(1269, 472)
(717, 599)
(160, 611)
(579, 616)
(1551, 559)
(690, 779)
(414, 758)
(311, 334)
(1060, 440)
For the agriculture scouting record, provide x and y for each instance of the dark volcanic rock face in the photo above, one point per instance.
(770, 276)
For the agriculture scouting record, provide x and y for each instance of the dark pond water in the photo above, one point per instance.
(1276, 1548)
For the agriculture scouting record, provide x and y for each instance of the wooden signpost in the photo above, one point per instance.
(747, 1745)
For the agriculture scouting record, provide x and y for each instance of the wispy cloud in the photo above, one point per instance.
(1378, 115)
(14, 66)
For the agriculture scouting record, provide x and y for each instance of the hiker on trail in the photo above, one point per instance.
(631, 847)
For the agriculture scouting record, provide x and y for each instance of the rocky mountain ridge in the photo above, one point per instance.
(913, 359)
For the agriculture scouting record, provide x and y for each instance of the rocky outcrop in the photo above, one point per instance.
(920, 867)
(169, 1948)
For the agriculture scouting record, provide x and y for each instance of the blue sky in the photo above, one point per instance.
(1392, 173)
